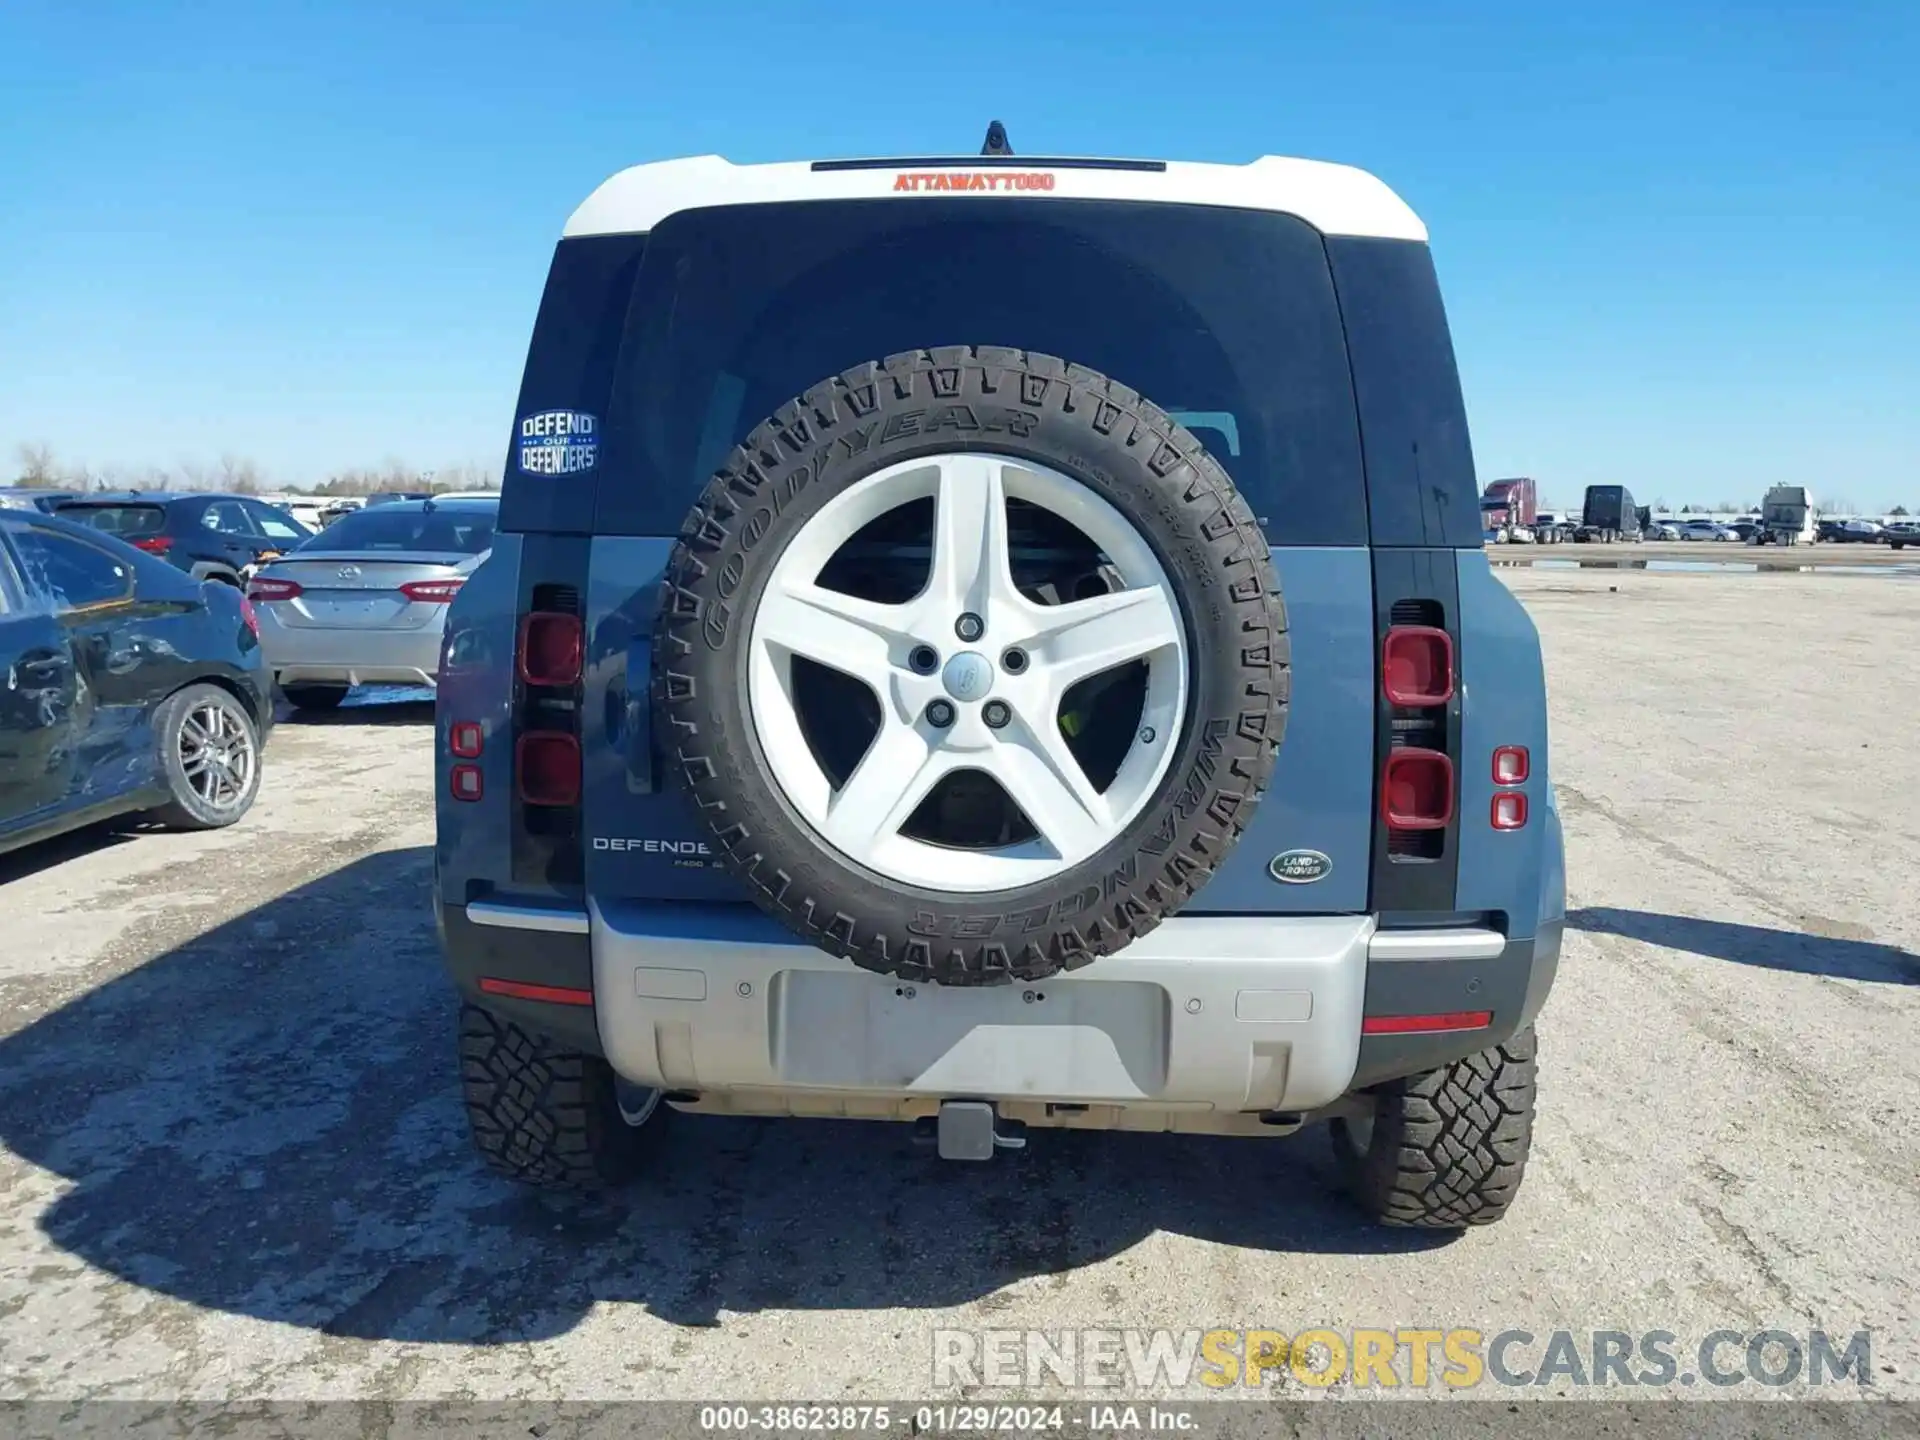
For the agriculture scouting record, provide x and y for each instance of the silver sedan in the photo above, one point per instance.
(364, 602)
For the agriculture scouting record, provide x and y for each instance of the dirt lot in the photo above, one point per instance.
(232, 1163)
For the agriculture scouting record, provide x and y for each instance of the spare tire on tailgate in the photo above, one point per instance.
(975, 664)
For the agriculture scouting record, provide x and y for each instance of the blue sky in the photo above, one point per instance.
(1680, 242)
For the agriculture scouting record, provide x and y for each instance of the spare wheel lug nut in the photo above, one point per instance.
(996, 713)
(969, 627)
(939, 714)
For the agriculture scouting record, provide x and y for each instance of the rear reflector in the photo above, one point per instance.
(432, 592)
(1426, 1024)
(1510, 765)
(550, 648)
(1509, 810)
(465, 739)
(262, 589)
(552, 994)
(1416, 790)
(546, 764)
(465, 783)
(154, 544)
(1416, 666)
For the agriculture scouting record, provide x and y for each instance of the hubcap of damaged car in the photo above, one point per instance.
(919, 757)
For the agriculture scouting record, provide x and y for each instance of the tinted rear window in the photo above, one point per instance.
(125, 521)
(406, 527)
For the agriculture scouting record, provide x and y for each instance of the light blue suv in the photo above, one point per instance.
(996, 644)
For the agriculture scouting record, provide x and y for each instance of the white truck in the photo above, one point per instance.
(1786, 517)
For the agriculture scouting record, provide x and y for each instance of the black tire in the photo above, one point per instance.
(1447, 1148)
(190, 809)
(314, 697)
(547, 1117)
(1123, 448)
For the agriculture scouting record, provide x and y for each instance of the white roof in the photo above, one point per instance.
(1334, 199)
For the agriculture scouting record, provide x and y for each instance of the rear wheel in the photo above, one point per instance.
(314, 697)
(1444, 1150)
(547, 1117)
(209, 758)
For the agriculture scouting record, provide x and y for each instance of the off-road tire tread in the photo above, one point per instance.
(768, 471)
(1449, 1146)
(546, 1117)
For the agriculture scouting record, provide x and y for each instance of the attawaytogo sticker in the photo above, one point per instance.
(559, 442)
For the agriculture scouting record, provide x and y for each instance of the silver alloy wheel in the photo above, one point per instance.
(997, 719)
(217, 756)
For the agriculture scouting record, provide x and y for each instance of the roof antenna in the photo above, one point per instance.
(996, 140)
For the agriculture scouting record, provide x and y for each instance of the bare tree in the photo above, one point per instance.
(1838, 506)
(38, 470)
(239, 475)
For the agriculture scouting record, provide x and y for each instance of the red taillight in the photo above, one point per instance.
(262, 588)
(250, 616)
(1426, 1024)
(154, 544)
(520, 990)
(464, 782)
(431, 592)
(1416, 666)
(550, 648)
(465, 738)
(1510, 765)
(546, 765)
(1416, 791)
(1509, 810)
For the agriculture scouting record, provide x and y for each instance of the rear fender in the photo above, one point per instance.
(473, 845)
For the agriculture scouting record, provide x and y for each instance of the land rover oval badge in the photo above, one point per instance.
(1299, 867)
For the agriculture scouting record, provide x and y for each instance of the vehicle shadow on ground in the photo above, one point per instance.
(263, 1121)
(1791, 950)
(362, 713)
(30, 860)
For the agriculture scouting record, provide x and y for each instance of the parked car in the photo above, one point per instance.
(1661, 530)
(388, 497)
(211, 537)
(1854, 532)
(309, 513)
(365, 601)
(1744, 530)
(130, 688)
(1901, 534)
(1704, 530)
(27, 497)
(919, 684)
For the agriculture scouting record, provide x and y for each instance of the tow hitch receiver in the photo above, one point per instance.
(967, 1130)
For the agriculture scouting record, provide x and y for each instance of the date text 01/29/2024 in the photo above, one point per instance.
(955, 1419)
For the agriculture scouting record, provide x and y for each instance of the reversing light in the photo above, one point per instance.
(1416, 666)
(1416, 790)
(550, 648)
(546, 766)
(1510, 765)
(1509, 810)
(465, 738)
(464, 782)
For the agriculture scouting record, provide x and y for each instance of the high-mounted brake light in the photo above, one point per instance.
(154, 544)
(269, 590)
(431, 592)
(546, 764)
(1509, 810)
(1416, 790)
(550, 648)
(465, 738)
(464, 782)
(1416, 666)
(1510, 765)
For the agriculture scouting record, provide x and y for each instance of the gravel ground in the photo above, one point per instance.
(232, 1163)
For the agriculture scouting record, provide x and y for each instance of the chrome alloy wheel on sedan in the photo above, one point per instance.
(218, 756)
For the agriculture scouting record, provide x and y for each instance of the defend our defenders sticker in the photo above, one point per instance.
(1299, 867)
(559, 442)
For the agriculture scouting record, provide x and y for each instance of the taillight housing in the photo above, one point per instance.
(1511, 765)
(550, 648)
(465, 739)
(1416, 666)
(431, 592)
(267, 589)
(546, 766)
(464, 782)
(1416, 790)
(154, 544)
(1509, 810)
(249, 616)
